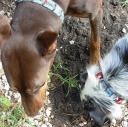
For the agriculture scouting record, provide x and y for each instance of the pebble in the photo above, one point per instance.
(114, 122)
(104, 27)
(124, 30)
(17, 95)
(2, 12)
(8, 14)
(9, 97)
(124, 124)
(36, 122)
(48, 101)
(4, 78)
(71, 42)
(47, 93)
(48, 124)
(40, 123)
(52, 116)
(6, 94)
(37, 117)
(46, 119)
(81, 124)
(48, 111)
(57, 50)
(43, 125)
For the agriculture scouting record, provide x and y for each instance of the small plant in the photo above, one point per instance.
(65, 76)
(124, 2)
(11, 115)
(17, 114)
(5, 103)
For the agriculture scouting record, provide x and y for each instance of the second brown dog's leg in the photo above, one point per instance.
(95, 38)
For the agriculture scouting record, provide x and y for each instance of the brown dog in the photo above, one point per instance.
(29, 52)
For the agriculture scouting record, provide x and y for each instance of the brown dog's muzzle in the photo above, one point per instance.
(33, 103)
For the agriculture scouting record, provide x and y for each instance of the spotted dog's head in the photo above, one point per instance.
(106, 86)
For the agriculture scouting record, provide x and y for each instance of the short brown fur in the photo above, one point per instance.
(30, 49)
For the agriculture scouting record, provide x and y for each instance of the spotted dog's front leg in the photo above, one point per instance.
(95, 38)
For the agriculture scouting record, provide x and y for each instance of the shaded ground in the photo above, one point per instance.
(73, 51)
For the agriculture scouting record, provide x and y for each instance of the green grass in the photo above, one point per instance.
(64, 76)
(124, 2)
(5, 103)
(11, 115)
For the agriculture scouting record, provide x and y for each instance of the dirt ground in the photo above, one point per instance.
(68, 111)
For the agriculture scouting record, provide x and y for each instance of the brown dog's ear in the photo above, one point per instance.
(5, 28)
(46, 42)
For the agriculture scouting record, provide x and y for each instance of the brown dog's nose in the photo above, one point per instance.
(33, 103)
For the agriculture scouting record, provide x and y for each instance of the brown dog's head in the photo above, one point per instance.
(26, 60)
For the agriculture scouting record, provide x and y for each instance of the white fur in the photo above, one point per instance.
(115, 71)
(92, 90)
(116, 112)
(91, 83)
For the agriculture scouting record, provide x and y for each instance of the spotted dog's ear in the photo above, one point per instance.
(114, 61)
(122, 48)
(5, 29)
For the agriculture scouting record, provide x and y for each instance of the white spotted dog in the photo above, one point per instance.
(106, 86)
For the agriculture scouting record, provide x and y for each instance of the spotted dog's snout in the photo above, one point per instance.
(99, 117)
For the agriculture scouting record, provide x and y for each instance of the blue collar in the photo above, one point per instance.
(108, 89)
(49, 4)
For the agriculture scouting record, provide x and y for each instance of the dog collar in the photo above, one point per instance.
(108, 89)
(49, 4)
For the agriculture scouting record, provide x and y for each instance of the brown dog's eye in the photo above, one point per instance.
(52, 51)
(37, 88)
